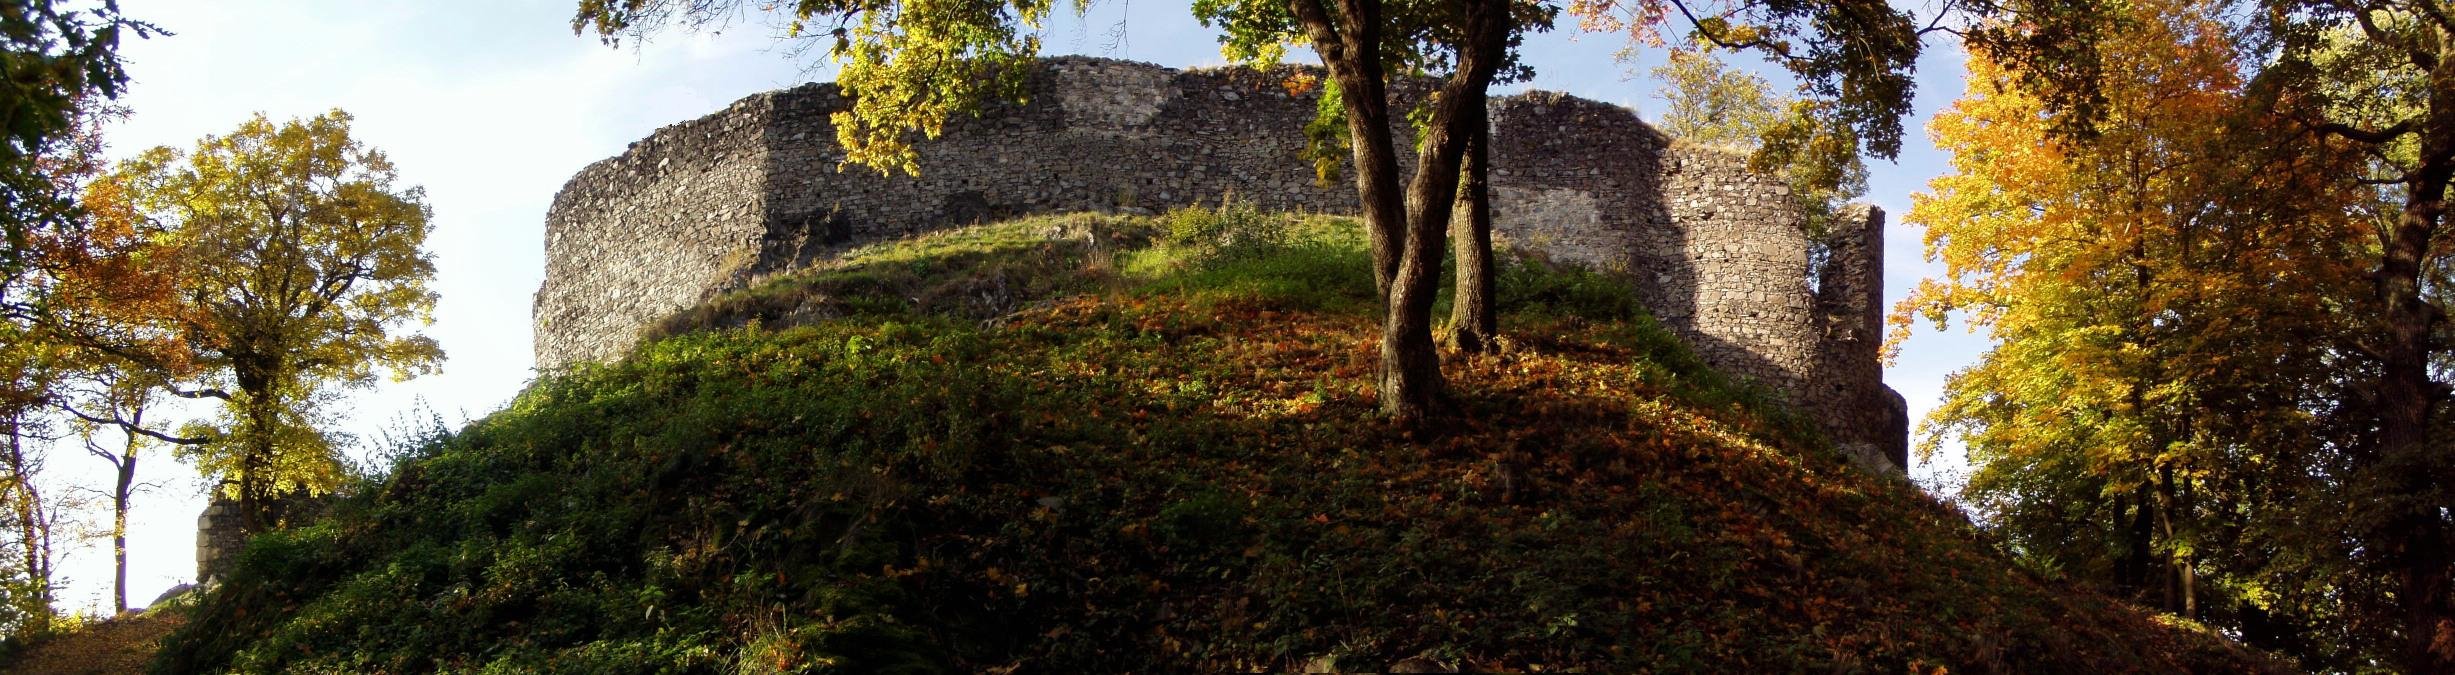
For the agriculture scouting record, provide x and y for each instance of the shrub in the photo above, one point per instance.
(1232, 229)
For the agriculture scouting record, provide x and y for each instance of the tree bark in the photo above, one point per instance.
(119, 521)
(1473, 318)
(1349, 44)
(1411, 384)
(2416, 531)
(259, 448)
(2407, 468)
(1408, 230)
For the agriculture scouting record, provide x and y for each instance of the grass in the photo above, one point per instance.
(1090, 444)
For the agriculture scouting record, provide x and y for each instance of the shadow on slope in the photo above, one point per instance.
(1169, 463)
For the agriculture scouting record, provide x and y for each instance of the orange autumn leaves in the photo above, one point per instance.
(2078, 254)
(115, 282)
(2162, 290)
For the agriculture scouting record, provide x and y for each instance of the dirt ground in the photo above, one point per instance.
(121, 645)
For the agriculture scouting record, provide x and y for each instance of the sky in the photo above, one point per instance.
(492, 105)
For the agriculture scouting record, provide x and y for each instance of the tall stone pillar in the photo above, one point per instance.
(1867, 419)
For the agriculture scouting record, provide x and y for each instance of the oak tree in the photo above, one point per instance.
(302, 276)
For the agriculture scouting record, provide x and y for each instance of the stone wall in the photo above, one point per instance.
(218, 538)
(1718, 252)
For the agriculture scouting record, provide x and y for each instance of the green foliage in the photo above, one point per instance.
(907, 67)
(1852, 59)
(1326, 141)
(1170, 470)
(1233, 229)
(55, 61)
(1709, 102)
(301, 270)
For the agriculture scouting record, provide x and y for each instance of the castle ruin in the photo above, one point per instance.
(1719, 254)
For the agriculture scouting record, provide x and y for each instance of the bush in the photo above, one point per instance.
(1232, 229)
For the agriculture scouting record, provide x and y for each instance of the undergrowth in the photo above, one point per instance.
(1093, 444)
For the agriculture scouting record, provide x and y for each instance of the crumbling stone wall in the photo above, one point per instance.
(1717, 251)
(218, 538)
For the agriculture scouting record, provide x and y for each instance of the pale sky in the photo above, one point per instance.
(492, 105)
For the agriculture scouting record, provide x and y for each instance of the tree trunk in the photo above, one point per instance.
(2133, 573)
(2416, 531)
(1411, 384)
(1473, 319)
(1349, 44)
(2407, 468)
(32, 530)
(119, 524)
(258, 448)
(1407, 236)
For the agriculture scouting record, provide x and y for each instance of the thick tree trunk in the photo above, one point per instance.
(2409, 467)
(251, 484)
(1411, 386)
(257, 374)
(1349, 45)
(1473, 319)
(1407, 236)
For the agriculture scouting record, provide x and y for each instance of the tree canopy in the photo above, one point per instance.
(2205, 274)
(301, 274)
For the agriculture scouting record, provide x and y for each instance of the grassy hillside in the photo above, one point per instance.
(1100, 445)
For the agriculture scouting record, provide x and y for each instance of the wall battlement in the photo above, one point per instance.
(1718, 252)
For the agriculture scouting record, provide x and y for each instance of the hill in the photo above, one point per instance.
(1093, 444)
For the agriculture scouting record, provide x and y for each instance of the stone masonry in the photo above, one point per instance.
(218, 538)
(1718, 252)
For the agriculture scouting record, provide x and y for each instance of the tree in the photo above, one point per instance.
(55, 62)
(301, 273)
(61, 68)
(25, 540)
(2166, 297)
(2373, 75)
(1362, 43)
(121, 399)
(1852, 61)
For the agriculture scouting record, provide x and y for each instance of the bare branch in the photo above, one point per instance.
(114, 420)
(2370, 136)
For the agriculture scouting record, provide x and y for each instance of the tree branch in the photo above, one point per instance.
(195, 394)
(2357, 134)
(134, 429)
(1759, 45)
